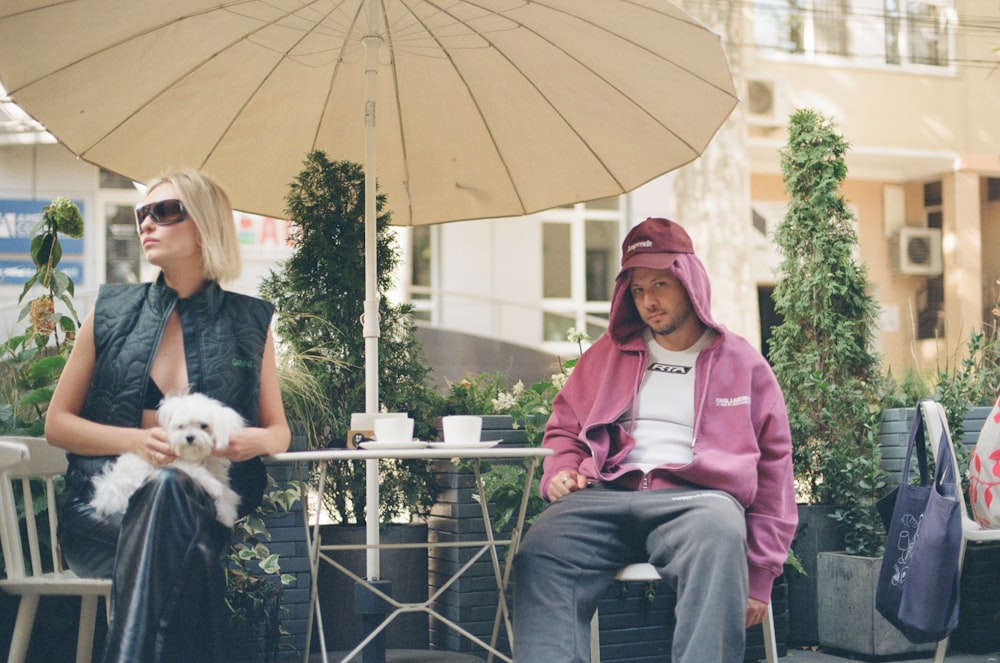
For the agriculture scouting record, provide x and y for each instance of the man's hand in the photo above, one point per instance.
(755, 612)
(565, 483)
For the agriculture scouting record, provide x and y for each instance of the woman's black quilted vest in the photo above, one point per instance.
(224, 337)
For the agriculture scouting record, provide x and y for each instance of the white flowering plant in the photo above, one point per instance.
(530, 407)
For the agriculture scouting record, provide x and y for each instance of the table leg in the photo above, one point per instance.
(503, 612)
(313, 543)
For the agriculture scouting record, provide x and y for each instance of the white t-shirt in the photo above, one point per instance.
(662, 420)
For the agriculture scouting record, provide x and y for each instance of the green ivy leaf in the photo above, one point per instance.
(36, 397)
(270, 564)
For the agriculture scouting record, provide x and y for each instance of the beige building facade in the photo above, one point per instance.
(914, 88)
(921, 115)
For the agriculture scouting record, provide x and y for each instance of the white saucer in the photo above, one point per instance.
(375, 445)
(485, 444)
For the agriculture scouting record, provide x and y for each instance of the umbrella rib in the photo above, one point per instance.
(120, 42)
(399, 118)
(458, 72)
(694, 150)
(284, 56)
(336, 72)
(227, 6)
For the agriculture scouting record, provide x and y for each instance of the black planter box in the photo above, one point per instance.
(978, 629)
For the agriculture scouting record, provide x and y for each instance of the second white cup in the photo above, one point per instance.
(393, 429)
(462, 428)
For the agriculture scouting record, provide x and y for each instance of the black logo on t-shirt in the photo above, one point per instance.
(669, 368)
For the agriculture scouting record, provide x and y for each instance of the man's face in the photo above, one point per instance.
(663, 304)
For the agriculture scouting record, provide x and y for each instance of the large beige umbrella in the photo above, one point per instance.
(484, 108)
(478, 108)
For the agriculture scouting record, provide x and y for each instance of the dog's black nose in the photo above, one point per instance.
(190, 439)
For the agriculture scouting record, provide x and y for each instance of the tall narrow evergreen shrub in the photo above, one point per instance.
(822, 351)
(319, 294)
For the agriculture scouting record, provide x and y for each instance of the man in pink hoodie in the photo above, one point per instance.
(670, 445)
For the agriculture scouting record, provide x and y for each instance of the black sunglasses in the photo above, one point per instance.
(163, 213)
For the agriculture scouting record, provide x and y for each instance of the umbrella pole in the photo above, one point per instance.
(371, 321)
(372, 610)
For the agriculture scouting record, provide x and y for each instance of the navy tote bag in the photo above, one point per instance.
(919, 580)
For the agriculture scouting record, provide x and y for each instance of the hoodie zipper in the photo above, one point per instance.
(699, 404)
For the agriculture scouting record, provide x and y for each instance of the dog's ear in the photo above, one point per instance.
(166, 412)
(228, 421)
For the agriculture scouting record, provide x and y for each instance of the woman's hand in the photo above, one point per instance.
(246, 444)
(154, 448)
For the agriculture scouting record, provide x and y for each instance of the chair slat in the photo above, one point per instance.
(32, 464)
(34, 549)
(52, 510)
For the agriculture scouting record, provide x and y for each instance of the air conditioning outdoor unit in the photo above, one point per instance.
(762, 101)
(917, 251)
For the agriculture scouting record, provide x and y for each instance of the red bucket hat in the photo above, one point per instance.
(654, 244)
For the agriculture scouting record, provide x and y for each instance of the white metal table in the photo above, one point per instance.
(318, 552)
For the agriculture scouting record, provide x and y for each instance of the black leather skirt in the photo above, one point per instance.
(165, 558)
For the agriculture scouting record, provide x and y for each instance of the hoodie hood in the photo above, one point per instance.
(624, 323)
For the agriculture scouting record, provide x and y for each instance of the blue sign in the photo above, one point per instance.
(19, 217)
(17, 272)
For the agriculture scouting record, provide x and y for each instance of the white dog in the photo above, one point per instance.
(195, 425)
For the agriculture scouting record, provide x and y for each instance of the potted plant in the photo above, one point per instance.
(255, 582)
(821, 353)
(319, 293)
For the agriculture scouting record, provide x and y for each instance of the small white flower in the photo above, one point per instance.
(504, 402)
(518, 389)
(559, 380)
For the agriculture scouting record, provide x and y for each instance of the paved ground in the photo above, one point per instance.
(793, 656)
(407, 656)
(824, 656)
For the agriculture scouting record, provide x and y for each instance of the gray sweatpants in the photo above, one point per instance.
(567, 561)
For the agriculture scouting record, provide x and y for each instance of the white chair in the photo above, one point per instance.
(21, 460)
(936, 419)
(646, 572)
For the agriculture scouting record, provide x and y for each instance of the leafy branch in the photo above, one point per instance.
(33, 361)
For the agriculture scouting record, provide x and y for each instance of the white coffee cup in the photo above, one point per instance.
(393, 429)
(462, 428)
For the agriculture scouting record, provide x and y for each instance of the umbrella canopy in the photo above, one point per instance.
(464, 109)
(484, 108)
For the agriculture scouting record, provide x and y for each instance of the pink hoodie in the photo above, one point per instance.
(742, 443)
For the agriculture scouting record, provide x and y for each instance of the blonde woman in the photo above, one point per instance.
(182, 332)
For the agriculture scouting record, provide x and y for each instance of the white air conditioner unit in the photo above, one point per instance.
(763, 102)
(917, 251)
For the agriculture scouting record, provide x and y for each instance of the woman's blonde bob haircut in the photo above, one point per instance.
(211, 212)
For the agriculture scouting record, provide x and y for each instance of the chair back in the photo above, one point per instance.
(936, 419)
(28, 469)
(936, 422)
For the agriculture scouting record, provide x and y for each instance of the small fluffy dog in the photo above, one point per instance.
(195, 425)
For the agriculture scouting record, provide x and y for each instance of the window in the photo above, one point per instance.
(580, 254)
(420, 271)
(122, 248)
(895, 32)
(557, 259)
(917, 32)
(930, 297)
